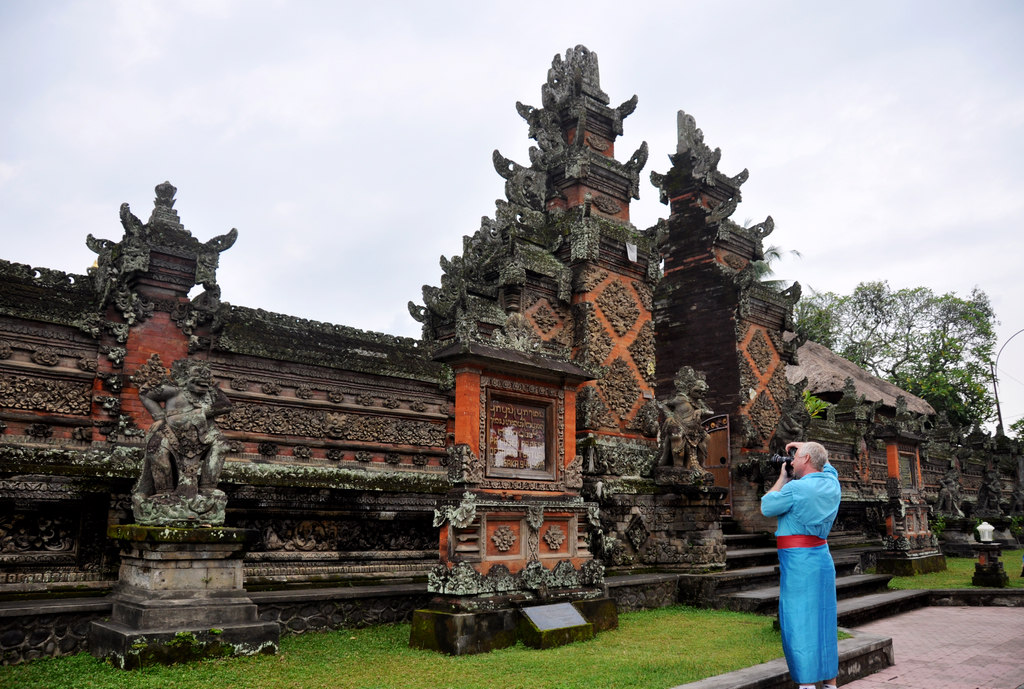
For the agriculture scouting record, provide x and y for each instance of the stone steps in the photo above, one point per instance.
(862, 609)
(765, 599)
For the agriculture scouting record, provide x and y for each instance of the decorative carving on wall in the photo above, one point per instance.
(574, 473)
(554, 537)
(267, 449)
(265, 418)
(6, 352)
(45, 356)
(40, 431)
(363, 456)
(619, 307)
(347, 535)
(591, 411)
(46, 395)
(270, 388)
(302, 452)
(392, 458)
(592, 343)
(645, 294)
(365, 399)
(764, 417)
(335, 395)
(418, 406)
(390, 402)
(239, 383)
(24, 533)
(607, 205)
(334, 454)
(545, 318)
(382, 429)
(642, 351)
(620, 388)
(588, 278)
(464, 466)
(504, 538)
(304, 392)
(760, 351)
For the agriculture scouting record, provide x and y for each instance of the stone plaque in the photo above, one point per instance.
(555, 616)
(519, 438)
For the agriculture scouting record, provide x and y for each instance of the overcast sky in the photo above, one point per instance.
(351, 145)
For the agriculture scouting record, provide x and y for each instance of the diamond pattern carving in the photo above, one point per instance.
(619, 387)
(619, 307)
(545, 318)
(642, 351)
(760, 351)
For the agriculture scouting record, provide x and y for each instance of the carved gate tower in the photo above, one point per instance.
(712, 313)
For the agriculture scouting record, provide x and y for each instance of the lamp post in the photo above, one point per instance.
(995, 387)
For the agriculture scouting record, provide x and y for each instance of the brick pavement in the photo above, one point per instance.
(951, 648)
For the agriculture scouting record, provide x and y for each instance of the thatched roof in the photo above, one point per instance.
(826, 373)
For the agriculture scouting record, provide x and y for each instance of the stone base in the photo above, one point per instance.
(179, 598)
(441, 629)
(990, 575)
(129, 648)
(910, 565)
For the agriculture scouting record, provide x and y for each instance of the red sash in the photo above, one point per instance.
(798, 541)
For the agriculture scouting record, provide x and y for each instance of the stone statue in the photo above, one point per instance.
(989, 492)
(684, 442)
(184, 450)
(1017, 499)
(951, 493)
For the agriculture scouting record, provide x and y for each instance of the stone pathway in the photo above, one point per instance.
(951, 648)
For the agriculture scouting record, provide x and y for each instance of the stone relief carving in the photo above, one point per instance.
(185, 450)
(683, 437)
(620, 388)
(619, 307)
(43, 394)
(642, 351)
(504, 538)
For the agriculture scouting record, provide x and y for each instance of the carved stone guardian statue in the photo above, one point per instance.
(184, 450)
(951, 494)
(683, 439)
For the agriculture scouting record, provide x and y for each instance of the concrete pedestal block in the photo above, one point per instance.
(180, 597)
(447, 629)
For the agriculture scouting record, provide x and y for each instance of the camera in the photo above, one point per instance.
(785, 461)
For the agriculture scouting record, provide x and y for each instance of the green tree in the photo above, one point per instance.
(938, 347)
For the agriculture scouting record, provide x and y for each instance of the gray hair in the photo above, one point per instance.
(816, 453)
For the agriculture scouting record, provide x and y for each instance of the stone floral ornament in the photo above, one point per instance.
(185, 450)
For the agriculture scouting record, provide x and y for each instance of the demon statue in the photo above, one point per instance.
(184, 451)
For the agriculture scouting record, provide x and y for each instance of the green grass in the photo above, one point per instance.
(651, 649)
(959, 571)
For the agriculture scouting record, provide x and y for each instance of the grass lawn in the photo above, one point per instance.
(959, 571)
(651, 649)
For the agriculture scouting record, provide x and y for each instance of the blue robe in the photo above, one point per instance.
(807, 588)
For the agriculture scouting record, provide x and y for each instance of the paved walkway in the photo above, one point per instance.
(951, 648)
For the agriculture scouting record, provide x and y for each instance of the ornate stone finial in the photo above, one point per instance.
(165, 195)
(577, 75)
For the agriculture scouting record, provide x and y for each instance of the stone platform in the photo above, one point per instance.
(180, 597)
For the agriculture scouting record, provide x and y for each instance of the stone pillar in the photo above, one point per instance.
(909, 546)
(180, 597)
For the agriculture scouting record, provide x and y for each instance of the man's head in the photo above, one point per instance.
(809, 458)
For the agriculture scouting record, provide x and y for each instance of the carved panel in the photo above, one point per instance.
(593, 344)
(545, 318)
(620, 388)
(42, 394)
(619, 307)
(642, 351)
(760, 351)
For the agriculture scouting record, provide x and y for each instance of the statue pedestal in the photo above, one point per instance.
(988, 570)
(180, 597)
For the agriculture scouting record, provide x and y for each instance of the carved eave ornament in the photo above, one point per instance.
(119, 263)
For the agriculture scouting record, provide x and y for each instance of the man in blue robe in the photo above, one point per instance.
(806, 503)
